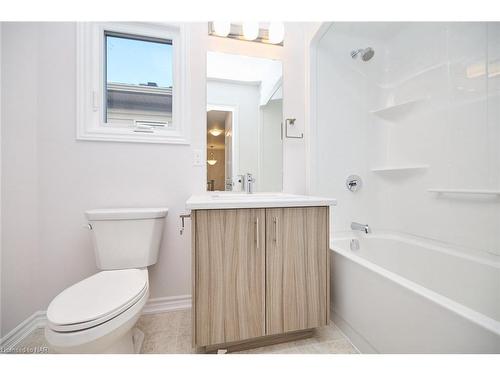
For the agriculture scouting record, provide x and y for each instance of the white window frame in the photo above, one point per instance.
(90, 83)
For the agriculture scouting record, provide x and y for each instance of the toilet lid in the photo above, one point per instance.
(97, 298)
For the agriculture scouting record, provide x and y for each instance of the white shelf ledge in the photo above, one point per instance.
(465, 191)
(396, 168)
(395, 111)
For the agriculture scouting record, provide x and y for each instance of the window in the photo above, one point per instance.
(138, 81)
(131, 80)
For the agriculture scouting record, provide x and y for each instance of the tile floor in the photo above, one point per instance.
(170, 333)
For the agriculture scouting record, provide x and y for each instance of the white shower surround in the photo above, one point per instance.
(417, 116)
(420, 115)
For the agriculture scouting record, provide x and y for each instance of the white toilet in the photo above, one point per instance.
(97, 315)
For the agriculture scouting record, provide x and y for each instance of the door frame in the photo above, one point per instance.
(235, 140)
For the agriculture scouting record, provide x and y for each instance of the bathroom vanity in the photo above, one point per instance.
(260, 268)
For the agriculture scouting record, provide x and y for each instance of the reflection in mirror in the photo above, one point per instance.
(244, 122)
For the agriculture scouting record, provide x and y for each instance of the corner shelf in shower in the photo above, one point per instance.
(465, 191)
(399, 168)
(395, 111)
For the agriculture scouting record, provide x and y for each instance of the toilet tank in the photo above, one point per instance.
(126, 237)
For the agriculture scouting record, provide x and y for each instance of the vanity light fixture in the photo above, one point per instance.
(215, 132)
(264, 32)
(212, 160)
(480, 69)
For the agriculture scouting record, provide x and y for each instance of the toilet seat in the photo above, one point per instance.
(97, 299)
(100, 338)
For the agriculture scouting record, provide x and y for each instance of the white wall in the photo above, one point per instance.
(454, 130)
(295, 93)
(245, 97)
(49, 178)
(20, 256)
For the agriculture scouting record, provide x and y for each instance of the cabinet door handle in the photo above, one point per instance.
(275, 220)
(257, 234)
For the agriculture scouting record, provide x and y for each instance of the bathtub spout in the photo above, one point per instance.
(362, 227)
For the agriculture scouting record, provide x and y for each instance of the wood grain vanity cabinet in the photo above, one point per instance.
(296, 268)
(258, 272)
(229, 275)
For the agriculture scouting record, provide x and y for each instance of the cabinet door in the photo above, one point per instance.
(230, 275)
(297, 269)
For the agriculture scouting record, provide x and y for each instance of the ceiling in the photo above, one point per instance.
(266, 73)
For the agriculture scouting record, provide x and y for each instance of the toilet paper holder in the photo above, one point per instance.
(183, 217)
(291, 122)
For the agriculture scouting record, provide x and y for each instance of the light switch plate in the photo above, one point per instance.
(198, 157)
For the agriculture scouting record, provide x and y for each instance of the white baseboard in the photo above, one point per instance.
(19, 333)
(163, 304)
(39, 319)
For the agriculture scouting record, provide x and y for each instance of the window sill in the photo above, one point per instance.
(128, 135)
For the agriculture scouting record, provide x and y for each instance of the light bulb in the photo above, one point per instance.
(215, 132)
(222, 28)
(276, 32)
(212, 159)
(250, 30)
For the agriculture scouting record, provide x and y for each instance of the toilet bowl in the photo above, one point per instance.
(98, 314)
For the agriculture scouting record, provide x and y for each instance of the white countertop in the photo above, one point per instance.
(223, 200)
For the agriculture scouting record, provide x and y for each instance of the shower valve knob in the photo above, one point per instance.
(353, 183)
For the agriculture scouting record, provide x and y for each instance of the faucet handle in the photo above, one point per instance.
(354, 183)
(248, 182)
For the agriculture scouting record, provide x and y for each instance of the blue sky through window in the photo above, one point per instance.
(138, 62)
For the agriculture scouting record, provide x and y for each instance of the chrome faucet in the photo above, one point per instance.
(248, 181)
(362, 227)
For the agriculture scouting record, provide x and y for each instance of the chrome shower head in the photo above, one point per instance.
(365, 53)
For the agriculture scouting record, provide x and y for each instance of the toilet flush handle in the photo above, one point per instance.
(88, 226)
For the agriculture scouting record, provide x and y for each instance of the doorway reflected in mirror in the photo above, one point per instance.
(219, 146)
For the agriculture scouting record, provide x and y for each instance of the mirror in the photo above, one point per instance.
(244, 123)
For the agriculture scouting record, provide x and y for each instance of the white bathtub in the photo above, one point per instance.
(399, 294)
